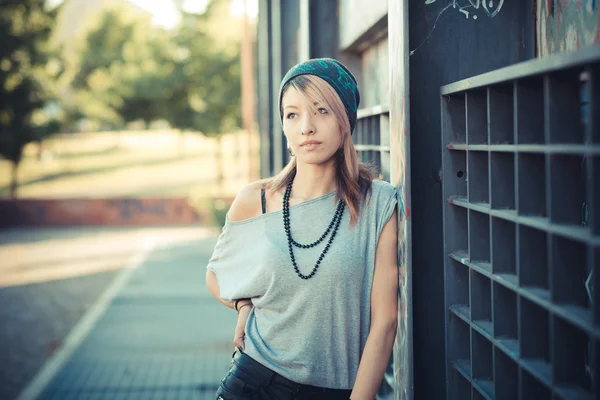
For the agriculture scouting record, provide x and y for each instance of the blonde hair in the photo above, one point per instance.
(353, 178)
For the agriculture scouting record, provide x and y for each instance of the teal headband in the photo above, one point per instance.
(336, 74)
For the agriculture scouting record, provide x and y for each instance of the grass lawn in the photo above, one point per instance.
(130, 164)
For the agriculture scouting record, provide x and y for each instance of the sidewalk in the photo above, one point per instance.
(156, 333)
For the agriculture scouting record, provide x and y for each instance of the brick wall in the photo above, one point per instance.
(69, 212)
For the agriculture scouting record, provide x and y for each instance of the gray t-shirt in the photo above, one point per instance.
(309, 331)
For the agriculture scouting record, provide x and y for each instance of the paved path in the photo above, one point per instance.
(49, 278)
(156, 333)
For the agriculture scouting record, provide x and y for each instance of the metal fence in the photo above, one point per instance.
(521, 186)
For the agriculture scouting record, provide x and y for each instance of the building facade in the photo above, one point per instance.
(486, 117)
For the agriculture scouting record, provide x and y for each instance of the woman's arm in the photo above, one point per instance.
(240, 328)
(213, 288)
(384, 315)
(245, 205)
(244, 306)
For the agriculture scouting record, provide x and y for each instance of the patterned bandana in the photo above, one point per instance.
(334, 73)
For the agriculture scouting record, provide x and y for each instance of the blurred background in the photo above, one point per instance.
(125, 98)
(126, 128)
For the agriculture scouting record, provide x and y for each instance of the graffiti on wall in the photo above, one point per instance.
(400, 178)
(472, 8)
(566, 25)
(469, 8)
(132, 208)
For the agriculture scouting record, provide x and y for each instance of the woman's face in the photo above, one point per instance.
(313, 131)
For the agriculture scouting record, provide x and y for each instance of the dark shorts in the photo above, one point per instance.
(248, 379)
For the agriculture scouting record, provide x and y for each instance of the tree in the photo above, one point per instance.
(131, 70)
(204, 91)
(145, 75)
(113, 59)
(25, 77)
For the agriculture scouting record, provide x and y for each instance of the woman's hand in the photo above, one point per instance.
(238, 336)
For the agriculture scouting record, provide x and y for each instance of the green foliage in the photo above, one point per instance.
(205, 85)
(130, 70)
(218, 212)
(216, 208)
(117, 77)
(27, 69)
(125, 69)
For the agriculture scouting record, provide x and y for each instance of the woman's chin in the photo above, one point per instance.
(315, 159)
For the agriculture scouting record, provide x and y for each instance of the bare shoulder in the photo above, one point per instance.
(247, 203)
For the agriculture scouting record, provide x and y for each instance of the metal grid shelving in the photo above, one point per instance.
(372, 138)
(521, 186)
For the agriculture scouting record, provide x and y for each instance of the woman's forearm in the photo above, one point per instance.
(374, 361)
(213, 288)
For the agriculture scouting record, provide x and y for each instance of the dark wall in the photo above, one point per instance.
(290, 26)
(446, 46)
(323, 28)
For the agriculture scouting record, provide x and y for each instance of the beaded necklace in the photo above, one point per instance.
(334, 224)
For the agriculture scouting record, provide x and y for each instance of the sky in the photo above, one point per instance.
(165, 13)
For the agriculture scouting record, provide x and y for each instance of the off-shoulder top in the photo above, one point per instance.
(311, 331)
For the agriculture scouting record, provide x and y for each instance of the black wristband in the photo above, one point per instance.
(235, 305)
(242, 306)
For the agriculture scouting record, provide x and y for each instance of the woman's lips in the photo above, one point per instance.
(307, 142)
(311, 145)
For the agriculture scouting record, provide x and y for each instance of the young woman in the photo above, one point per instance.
(308, 258)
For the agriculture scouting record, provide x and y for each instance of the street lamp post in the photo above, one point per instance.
(247, 83)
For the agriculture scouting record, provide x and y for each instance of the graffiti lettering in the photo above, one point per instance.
(490, 7)
(130, 208)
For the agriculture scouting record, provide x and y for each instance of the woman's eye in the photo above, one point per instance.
(323, 110)
(290, 115)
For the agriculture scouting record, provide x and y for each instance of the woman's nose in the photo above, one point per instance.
(308, 126)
